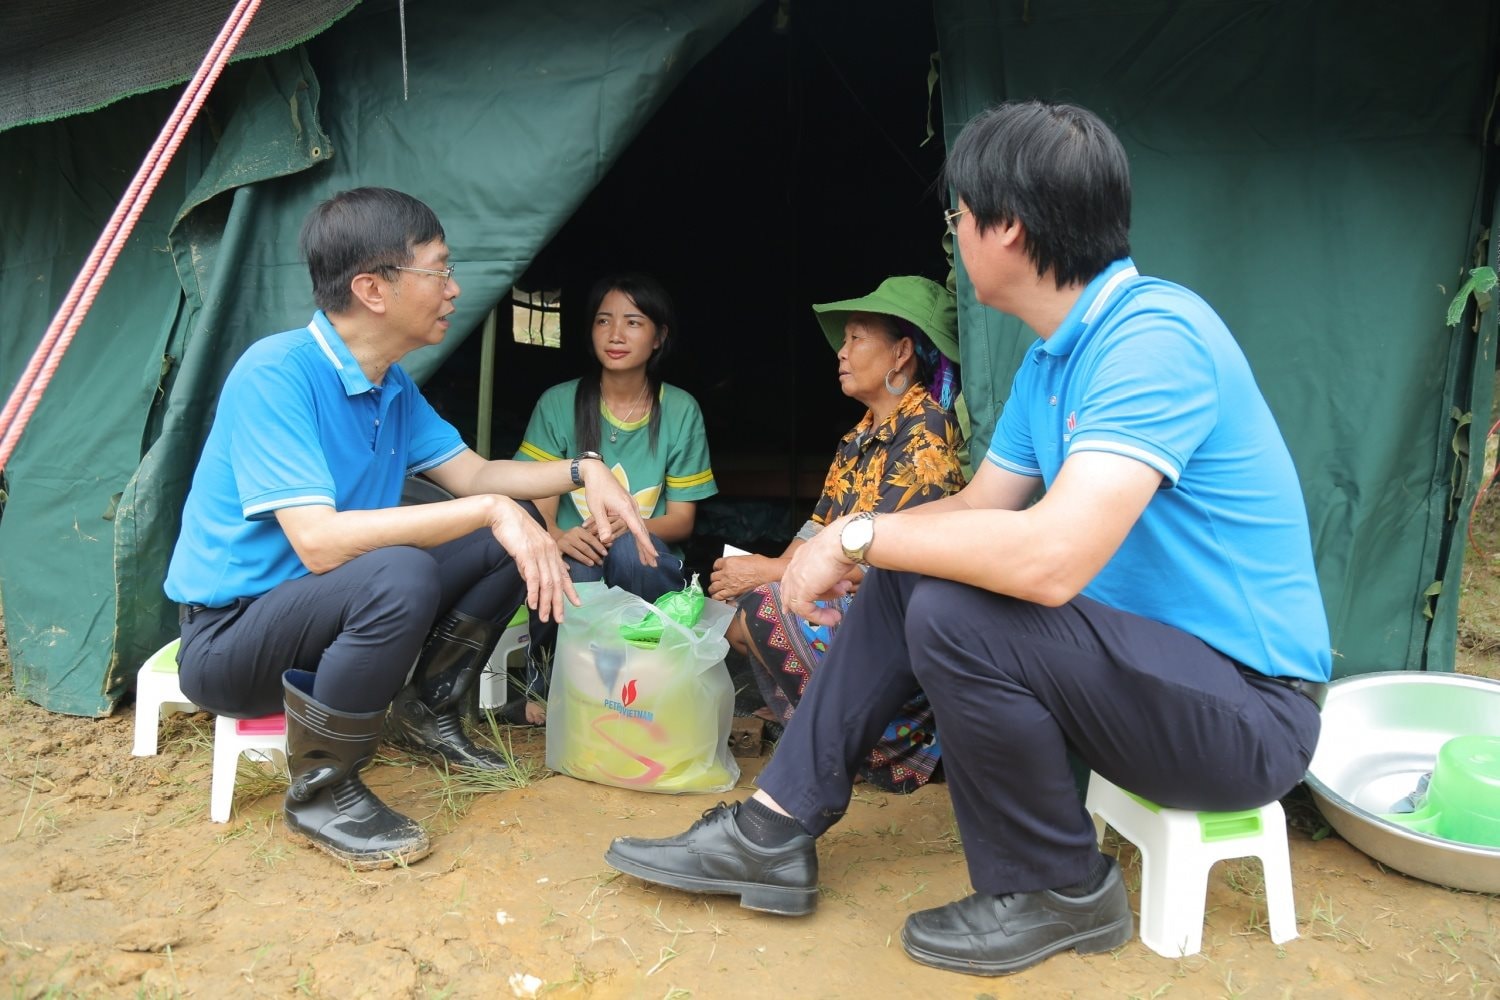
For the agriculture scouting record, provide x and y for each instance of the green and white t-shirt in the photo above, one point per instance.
(678, 469)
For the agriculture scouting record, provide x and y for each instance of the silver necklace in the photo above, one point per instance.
(614, 432)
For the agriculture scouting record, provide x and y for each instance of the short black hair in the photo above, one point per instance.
(1059, 171)
(365, 229)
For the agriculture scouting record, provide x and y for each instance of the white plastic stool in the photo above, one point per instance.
(494, 680)
(1178, 846)
(261, 739)
(157, 696)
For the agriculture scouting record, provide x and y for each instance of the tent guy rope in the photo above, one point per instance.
(44, 361)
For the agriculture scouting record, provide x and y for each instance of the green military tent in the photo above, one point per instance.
(1320, 172)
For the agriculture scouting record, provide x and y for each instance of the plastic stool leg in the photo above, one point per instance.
(1276, 864)
(1173, 891)
(147, 719)
(226, 763)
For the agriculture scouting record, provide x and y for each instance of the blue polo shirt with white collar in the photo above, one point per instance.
(298, 424)
(1146, 369)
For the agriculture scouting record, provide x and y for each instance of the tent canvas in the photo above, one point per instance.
(512, 115)
(1319, 173)
(1259, 166)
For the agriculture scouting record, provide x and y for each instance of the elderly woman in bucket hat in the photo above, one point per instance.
(897, 349)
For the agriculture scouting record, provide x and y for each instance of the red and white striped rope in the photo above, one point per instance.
(44, 361)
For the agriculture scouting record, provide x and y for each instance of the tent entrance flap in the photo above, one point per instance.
(512, 115)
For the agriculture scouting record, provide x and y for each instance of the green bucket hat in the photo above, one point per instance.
(926, 304)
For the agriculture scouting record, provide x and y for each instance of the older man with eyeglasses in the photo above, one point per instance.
(304, 585)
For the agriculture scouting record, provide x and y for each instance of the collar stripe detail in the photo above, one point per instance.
(312, 328)
(1100, 300)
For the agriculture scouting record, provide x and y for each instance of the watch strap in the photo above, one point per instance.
(573, 468)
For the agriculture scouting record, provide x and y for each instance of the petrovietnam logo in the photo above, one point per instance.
(628, 694)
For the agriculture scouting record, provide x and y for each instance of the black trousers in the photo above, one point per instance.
(1014, 687)
(359, 627)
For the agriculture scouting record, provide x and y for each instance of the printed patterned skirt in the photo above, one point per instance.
(787, 651)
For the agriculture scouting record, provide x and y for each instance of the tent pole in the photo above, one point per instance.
(486, 383)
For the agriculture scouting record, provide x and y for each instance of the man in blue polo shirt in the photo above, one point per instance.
(305, 586)
(1156, 610)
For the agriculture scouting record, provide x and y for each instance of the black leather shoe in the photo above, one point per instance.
(713, 856)
(994, 935)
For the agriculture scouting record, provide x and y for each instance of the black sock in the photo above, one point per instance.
(1098, 870)
(766, 827)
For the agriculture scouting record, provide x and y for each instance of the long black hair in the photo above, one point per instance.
(654, 302)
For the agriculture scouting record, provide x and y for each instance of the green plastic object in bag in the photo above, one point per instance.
(683, 606)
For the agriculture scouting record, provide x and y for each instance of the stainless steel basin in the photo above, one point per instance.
(1381, 733)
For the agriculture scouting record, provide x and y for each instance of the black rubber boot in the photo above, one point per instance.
(426, 716)
(327, 802)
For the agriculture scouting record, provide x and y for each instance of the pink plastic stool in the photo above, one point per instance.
(262, 739)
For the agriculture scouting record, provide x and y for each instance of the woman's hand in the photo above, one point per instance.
(582, 544)
(610, 502)
(617, 528)
(537, 557)
(734, 576)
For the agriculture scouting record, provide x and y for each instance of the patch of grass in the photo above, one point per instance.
(1325, 921)
(1247, 878)
(456, 788)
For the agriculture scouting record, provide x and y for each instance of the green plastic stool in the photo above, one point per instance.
(1179, 846)
(494, 681)
(157, 696)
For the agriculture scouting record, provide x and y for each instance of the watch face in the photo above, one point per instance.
(856, 537)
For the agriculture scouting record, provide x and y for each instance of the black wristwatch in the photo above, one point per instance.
(573, 469)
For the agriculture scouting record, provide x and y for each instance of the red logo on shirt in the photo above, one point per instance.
(1072, 421)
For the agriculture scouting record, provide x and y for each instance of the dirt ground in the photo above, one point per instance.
(120, 886)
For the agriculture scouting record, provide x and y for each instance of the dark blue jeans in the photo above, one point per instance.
(358, 627)
(1015, 686)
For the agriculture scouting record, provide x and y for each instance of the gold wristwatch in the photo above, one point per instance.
(856, 535)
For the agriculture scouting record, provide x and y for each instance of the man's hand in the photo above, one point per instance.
(611, 504)
(819, 571)
(537, 557)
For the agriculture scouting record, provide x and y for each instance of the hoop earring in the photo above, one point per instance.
(905, 383)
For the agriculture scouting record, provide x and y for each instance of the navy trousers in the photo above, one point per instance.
(358, 627)
(1014, 687)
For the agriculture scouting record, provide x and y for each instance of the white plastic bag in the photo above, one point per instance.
(653, 719)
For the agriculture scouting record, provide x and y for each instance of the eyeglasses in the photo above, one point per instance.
(446, 273)
(949, 218)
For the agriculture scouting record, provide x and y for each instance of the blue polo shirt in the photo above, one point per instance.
(298, 424)
(1145, 368)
